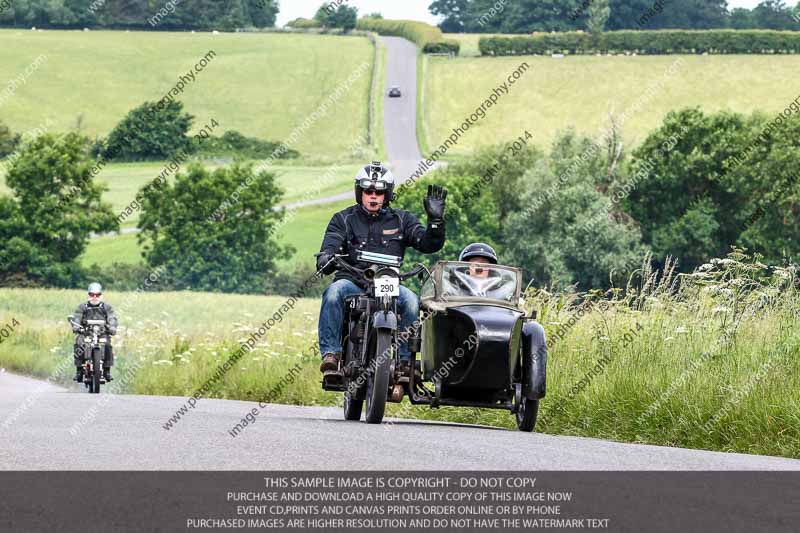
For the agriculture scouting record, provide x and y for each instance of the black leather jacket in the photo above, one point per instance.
(390, 231)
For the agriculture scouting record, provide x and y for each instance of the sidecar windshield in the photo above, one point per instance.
(478, 280)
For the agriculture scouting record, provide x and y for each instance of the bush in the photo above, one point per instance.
(8, 140)
(429, 38)
(212, 231)
(303, 23)
(128, 277)
(233, 143)
(154, 130)
(45, 225)
(287, 281)
(646, 42)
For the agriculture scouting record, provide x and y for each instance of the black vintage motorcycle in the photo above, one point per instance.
(476, 345)
(370, 357)
(95, 337)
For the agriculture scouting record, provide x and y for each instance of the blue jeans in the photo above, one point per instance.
(331, 315)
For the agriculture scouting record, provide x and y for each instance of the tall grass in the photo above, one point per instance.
(706, 360)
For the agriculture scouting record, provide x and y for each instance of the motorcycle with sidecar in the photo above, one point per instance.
(475, 342)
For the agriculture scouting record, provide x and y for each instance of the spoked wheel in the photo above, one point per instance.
(353, 402)
(527, 411)
(97, 368)
(378, 380)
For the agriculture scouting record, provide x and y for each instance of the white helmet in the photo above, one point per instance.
(95, 288)
(375, 176)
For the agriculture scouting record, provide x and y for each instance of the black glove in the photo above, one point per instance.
(434, 204)
(323, 265)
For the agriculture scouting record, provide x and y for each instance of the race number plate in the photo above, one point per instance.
(387, 286)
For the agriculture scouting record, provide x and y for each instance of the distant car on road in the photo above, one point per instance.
(394, 92)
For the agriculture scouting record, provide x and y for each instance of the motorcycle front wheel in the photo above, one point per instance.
(97, 369)
(378, 380)
(353, 404)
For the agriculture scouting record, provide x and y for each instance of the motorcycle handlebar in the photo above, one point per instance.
(369, 272)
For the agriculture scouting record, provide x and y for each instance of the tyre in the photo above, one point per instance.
(527, 411)
(97, 370)
(353, 404)
(378, 380)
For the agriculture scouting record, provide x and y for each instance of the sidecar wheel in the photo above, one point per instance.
(527, 411)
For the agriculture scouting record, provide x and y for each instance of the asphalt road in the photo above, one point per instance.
(43, 427)
(399, 116)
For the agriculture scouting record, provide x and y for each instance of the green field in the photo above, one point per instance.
(579, 92)
(299, 182)
(303, 230)
(306, 228)
(262, 84)
(115, 248)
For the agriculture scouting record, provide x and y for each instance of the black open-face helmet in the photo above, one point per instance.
(478, 249)
(375, 176)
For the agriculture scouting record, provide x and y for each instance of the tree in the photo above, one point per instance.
(525, 16)
(324, 15)
(500, 171)
(263, 12)
(54, 207)
(471, 213)
(742, 19)
(153, 130)
(691, 202)
(345, 17)
(598, 14)
(773, 15)
(236, 252)
(453, 11)
(8, 140)
(578, 234)
(374, 15)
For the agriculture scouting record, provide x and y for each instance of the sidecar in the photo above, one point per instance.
(477, 346)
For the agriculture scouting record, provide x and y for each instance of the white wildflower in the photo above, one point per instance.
(681, 329)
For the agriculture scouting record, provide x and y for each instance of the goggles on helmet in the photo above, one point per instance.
(378, 185)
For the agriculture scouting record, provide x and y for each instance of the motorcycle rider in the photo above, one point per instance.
(373, 226)
(93, 309)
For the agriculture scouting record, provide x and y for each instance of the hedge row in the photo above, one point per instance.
(647, 42)
(302, 23)
(427, 37)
